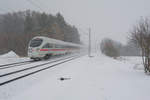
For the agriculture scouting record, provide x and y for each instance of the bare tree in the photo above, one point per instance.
(140, 35)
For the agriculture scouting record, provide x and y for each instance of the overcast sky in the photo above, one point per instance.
(106, 18)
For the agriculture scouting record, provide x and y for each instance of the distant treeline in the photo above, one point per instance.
(17, 29)
(113, 48)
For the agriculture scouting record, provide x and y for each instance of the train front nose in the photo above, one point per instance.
(35, 53)
(34, 48)
(32, 52)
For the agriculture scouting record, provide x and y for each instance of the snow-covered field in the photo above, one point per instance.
(96, 78)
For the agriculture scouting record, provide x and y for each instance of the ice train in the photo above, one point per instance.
(41, 47)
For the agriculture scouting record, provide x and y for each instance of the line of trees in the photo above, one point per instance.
(114, 49)
(17, 29)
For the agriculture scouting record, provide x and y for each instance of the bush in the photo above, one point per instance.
(108, 48)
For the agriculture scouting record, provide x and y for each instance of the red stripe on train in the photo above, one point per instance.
(52, 49)
(43, 49)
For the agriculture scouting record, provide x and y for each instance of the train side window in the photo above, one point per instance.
(46, 45)
(36, 42)
(50, 45)
(60, 46)
(57, 46)
(66, 46)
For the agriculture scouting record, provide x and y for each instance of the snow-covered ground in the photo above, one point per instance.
(11, 57)
(10, 54)
(95, 78)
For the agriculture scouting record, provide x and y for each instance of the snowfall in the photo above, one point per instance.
(87, 78)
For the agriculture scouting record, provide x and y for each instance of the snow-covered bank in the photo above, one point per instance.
(11, 57)
(96, 78)
(10, 54)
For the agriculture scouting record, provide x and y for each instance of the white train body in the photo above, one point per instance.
(43, 47)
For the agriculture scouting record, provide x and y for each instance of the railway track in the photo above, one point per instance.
(5, 66)
(21, 73)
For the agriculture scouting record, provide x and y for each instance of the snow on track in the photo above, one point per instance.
(7, 76)
(96, 78)
(7, 91)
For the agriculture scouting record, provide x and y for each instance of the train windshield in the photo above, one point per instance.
(36, 42)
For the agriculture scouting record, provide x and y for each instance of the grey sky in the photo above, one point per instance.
(107, 18)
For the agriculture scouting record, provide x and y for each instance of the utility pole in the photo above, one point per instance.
(89, 50)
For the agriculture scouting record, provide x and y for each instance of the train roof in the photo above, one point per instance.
(57, 41)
